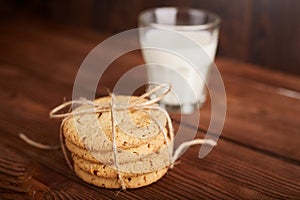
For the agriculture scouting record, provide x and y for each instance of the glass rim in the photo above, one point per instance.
(214, 23)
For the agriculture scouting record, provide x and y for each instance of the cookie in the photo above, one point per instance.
(113, 183)
(133, 127)
(126, 155)
(96, 169)
(102, 170)
(137, 164)
(90, 127)
(84, 130)
(80, 152)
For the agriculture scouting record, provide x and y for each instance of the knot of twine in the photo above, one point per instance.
(112, 107)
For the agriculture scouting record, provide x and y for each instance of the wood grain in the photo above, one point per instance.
(257, 155)
(276, 49)
(263, 32)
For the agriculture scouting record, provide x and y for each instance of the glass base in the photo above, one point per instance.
(183, 109)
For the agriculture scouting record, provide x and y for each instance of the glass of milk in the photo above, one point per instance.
(179, 46)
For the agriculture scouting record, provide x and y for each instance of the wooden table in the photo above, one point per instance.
(257, 156)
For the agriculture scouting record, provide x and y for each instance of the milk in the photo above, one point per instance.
(187, 82)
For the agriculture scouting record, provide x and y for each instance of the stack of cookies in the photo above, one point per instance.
(128, 148)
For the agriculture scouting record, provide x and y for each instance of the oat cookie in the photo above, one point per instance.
(125, 155)
(145, 164)
(85, 129)
(100, 169)
(130, 182)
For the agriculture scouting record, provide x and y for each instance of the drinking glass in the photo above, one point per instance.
(170, 38)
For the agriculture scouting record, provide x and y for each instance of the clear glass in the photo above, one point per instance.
(202, 27)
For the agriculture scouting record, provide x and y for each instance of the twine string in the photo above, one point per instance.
(96, 108)
(187, 144)
(37, 144)
(62, 144)
(162, 130)
(115, 148)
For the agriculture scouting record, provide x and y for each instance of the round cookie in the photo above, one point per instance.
(80, 152)
(113, 183)
(124, 155)
(145, 164)
(101, 170)
(84, 130)
(96, 169)
(88, 128)
(133, 126)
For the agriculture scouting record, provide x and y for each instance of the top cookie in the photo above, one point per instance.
(133, 127)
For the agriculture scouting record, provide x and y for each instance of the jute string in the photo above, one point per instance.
(113, 131)
(112, 107)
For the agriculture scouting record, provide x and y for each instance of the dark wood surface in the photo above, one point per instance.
(257, 156)
(264, 32)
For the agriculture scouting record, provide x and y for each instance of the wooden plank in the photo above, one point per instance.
(270, 47)
(233, 68)
(256, 105)
(228, 172)
(258, 117)
(255, 116)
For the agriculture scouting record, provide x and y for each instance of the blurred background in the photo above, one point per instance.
(263, 32)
